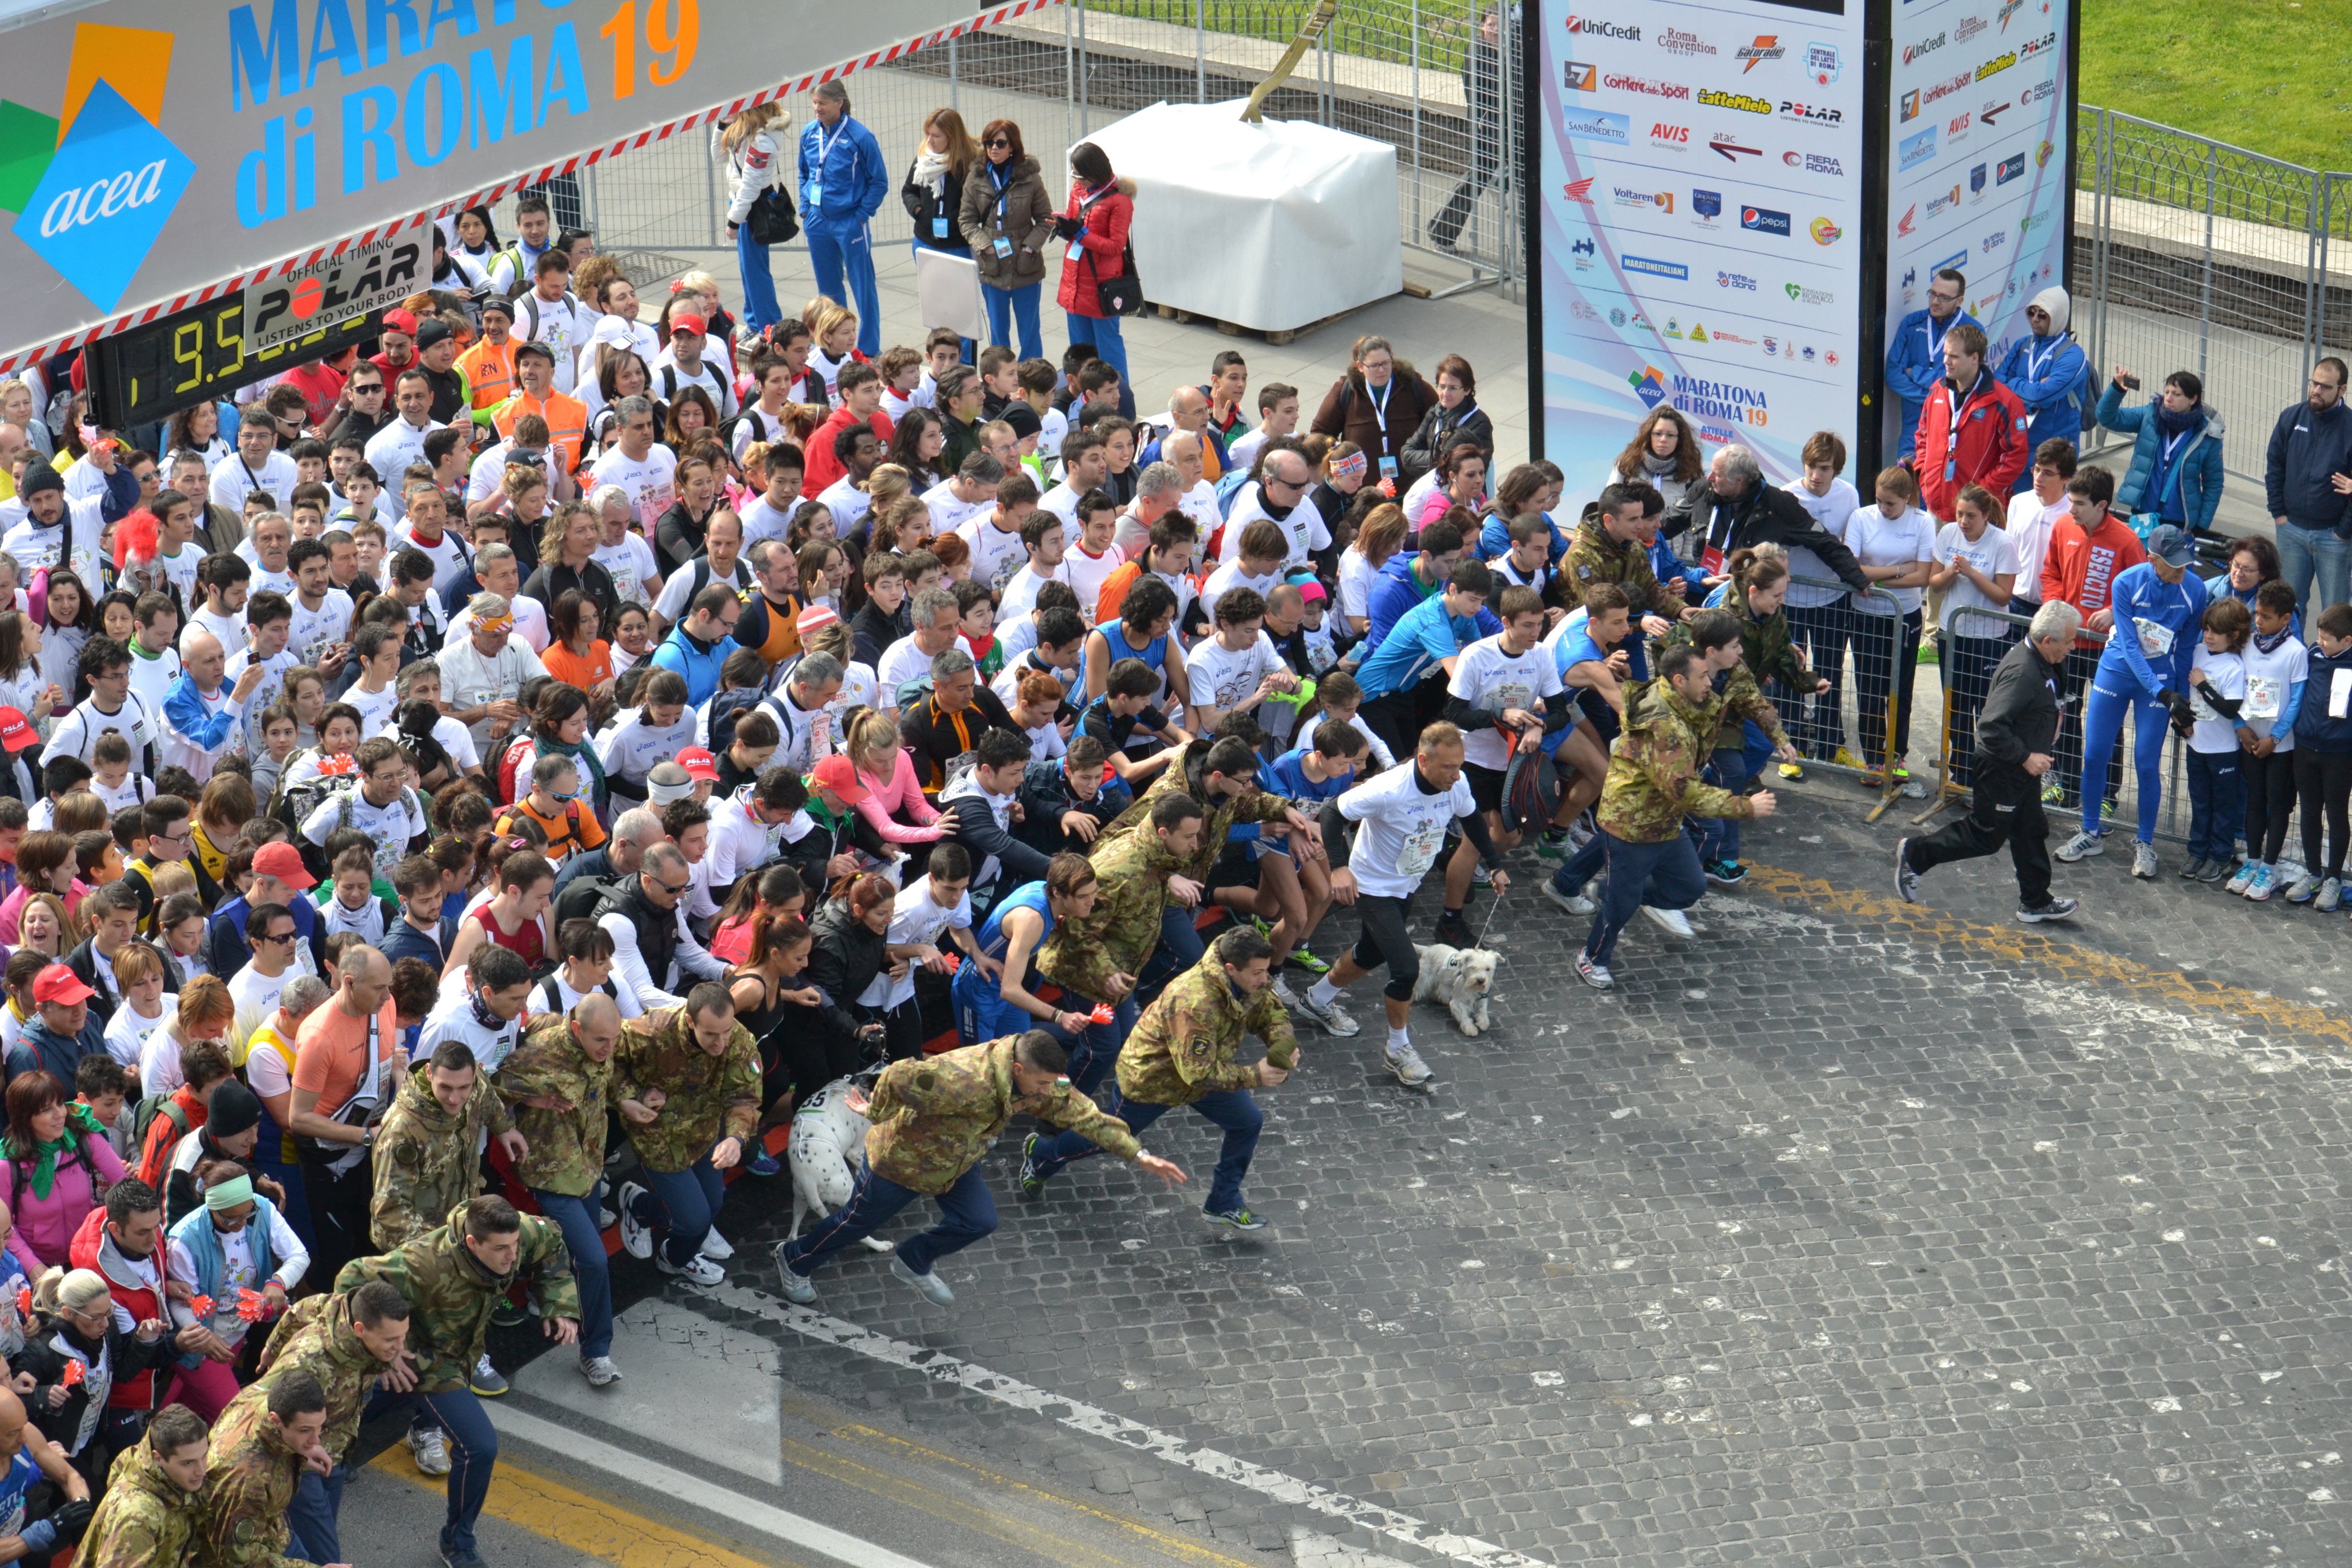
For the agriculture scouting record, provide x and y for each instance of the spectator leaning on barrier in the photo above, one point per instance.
(2176, 467)
(2307, 482)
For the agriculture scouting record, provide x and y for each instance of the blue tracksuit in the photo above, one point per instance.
(1915, 362)
(2129, 678)
(843, 181)
(2051, 376)
(1394, 592)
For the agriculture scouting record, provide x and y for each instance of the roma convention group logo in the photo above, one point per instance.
(94, 184)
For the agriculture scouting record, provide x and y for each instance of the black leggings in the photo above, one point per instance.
(2322, 778)
(1384, 942)
(2270, 801)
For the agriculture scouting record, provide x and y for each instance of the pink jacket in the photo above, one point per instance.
(46, 1226)
(881, 806)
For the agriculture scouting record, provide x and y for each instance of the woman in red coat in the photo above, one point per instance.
(1095, 223)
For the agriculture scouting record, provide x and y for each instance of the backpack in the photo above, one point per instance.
(554, 997)
(293, 805)
(751, 417)
(143, 1119)
(726, 707)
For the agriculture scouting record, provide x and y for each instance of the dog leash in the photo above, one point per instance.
(1489, 921)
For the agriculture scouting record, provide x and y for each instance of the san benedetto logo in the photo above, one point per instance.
(1714, 98)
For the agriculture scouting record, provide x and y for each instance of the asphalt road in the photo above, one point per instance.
(1848, 1232)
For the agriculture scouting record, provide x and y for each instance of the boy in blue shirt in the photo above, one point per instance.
(1420, 650)
(1294, 877)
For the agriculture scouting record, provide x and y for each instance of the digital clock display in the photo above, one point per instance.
(195, 356)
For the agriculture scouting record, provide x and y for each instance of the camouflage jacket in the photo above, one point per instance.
(934, 1116)
(567, 1147)
(706, 1098)
(1593, 558)
(1120, 933)
(1654, 774)
(317, 1337)
(147, 1519)
(249, 1483)
(1738, 697)
(428, 1162)
(1186, 777)
(450, 1295)
(1183, 1047)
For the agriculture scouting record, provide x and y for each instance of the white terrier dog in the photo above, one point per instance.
(1459, 977)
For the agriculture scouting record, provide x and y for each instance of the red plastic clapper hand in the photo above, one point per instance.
(71, 1376)
(1102, 1015)
(252, 1305)
(23, 1301)
(201, 1306)
(949, 962)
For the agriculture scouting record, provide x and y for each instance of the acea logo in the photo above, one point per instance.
(1649, 384)
(94, 187)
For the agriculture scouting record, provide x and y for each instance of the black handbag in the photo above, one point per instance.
(1122, 295)
(772, 220)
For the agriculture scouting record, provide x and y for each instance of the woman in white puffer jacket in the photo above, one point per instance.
(753, 144)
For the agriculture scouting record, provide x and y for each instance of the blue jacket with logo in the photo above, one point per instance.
(2051, 376)
(2195, 471)
(1915, 363)
(854, 178)
(2140, 594)
(697, 660)
(2305, 448)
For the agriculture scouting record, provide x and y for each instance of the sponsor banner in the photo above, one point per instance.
(1740, 124)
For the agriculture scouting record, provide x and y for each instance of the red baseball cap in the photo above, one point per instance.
(400, 322)
(284, 862)
(687, 322)
(698, 764)
(839, 774)
(16, 731)
(60, 985)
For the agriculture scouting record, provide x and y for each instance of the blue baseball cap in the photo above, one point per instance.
(2171, 545)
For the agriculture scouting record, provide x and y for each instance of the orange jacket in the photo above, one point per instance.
(2079, 567)
(489, 370)
(567, 422)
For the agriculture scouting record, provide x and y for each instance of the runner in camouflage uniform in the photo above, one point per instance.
(348, 1342)
(1181, 1053)
(932, 1119)
(559, 1085)
(687, 1080)
(426, 1159)
(1096, 956)
(154, 1496)
(261, 1444)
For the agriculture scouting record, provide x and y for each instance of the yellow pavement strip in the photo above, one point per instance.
(588, 1525)
(2030, 946)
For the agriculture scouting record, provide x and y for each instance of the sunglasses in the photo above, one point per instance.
(277, 936)
(677, 891)
(1000, 141)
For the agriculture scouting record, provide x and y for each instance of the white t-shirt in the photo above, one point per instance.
(1833, 511)
(1085, 574)
(391, 826)
(1403, 828)
(272, 685)
(632, 567)
(127, 1033)
(1994, 554)
(1230, 575)
(1357, 575)
(624, 995)
(761, 521)
(1877, 540)
(451, 559)
(561, 323)
(948, 512)
(453, 1019)
(2214, 733)
(488, 473)
(376, 709)
(651, 480)
(2269, 677)
(1220, 678)
(78, 732)
(2030, 521)
(152, 678)
(1020, 596)
(256, 995)
(915, 916)
(136, 789)
(1491, 679)
(995, 554)
(389, 452)
(902, 661)
(666, 369)
(529, 623)
(1063, 502)
(847, 503)
(233, 480)
(630, 746)
(313, 632)
(678, 589)
(230, 629)
(1304, 528)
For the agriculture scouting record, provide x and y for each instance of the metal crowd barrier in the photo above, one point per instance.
(1871, 659)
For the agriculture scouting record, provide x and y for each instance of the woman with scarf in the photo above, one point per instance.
(559, 728)
(934, 192)
(2175, 465)
(74, 1355)
(234, 1243)
(1664, 454)
(1007, 218)
(56, 1161)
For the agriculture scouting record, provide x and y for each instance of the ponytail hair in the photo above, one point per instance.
(1758, 567)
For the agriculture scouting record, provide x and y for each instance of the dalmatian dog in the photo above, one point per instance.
(1460, 978)
(828, 1149)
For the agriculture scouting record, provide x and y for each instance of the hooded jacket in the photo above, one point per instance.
(2306, 447)
(705, 1098)
(1118, 935)
(94, 1249)
(1021, 212)
(146, 1517)
(934, 1116)
(315, 1335)
(249, 1482)
(2194, 470)
(847, 955)
(426, 1163)
(567, 1147)
(43, 1048)
(2051, 376)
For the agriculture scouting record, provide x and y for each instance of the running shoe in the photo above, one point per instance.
(696, 1270)
(1596, 975)
(2260, 888)
(2244, 878)
(1906, 881)
(2219, 870)
(1031, 1183)
(799, 1288)
(1574, 904)
(2055, 909)
(458, 1557)
(1874, 778)
(430, 1452)
(1675, 922)
(637, 1235)
(2299, 891)
(2053, 792)
(1284, 994)
(1329, 1016)
(1928, 654)
(2331, 893)
(930, 1286)
(1406, 1064)
(1482, 875)
(1454, 931)
(1729, 873)
(484, 1382)
(2081, 844)
(1792, 772)
(1553, 845)
(2107, 810)
(2194, 871)
(1238, 1217)
(1302, 959)
(2143, 860)
(716, 1246)
(1845, 758)
(761, 1163)
(599, 1371)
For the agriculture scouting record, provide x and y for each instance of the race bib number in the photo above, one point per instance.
(1420, 850)
(2264, 696)
(2155, 637)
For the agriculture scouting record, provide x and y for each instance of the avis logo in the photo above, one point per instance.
(1649, 384)
(94, 187)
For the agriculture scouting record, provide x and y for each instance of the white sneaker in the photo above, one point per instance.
(2081, 844)
(700, 1271)
(2243, 880)
(431, 1454)
(1406, 1064)
(715, 1245)
(1481, 876)
(636, 1236)
(2331, 893)
(1329, 1016)
(2143, 862)
(1675, 922)
(1574, 904)
(1284, 994)
(599, 1371)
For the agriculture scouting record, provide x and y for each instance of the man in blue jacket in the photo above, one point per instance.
(698, 645)
(2308, 480)
(1915, 354)
(842, 181)
(2051, 375)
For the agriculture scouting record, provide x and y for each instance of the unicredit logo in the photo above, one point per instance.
(1599, 28)
(103, 198)
(1924, 47)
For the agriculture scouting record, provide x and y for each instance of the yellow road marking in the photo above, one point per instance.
(2025, 945)
(588, 1525)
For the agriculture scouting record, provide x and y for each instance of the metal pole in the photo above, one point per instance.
(2326, 220)
(2315, 285)
(1086, 92)
(2205, 288)
(1069, 79)
(955, 78)
(1413, 29)
(1200, 52)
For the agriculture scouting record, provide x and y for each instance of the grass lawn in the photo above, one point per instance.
(2274, 77)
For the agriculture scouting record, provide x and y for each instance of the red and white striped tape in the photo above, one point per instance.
(24, 358)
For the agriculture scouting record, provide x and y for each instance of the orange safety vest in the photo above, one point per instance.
(490, 370)
(567, 422)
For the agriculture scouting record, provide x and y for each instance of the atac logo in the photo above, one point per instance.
(95, 185)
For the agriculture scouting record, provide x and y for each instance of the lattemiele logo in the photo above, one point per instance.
(1580, 76)
(1906, 225)
(1673, 138)
(1810, 114)
(1713, 99)
(1677, 42)
(1763, 220)
(1997, 64)
(1924, 47)
(2041, 46)
(94, 185)
(1649, 85)
(1825, 232)
(1767, 47)
(1604, 29)
(1967, 27)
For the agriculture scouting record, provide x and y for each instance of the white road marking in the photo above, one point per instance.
(1097, 1422)
(693, 1490)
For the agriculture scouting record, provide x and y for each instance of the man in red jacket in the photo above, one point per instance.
(124, 1243)
(1972, 431)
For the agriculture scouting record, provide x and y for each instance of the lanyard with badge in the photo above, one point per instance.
(813, 194)
(1380, 418)
(1002, 178)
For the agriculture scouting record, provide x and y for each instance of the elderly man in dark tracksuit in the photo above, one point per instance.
(2017, 734)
